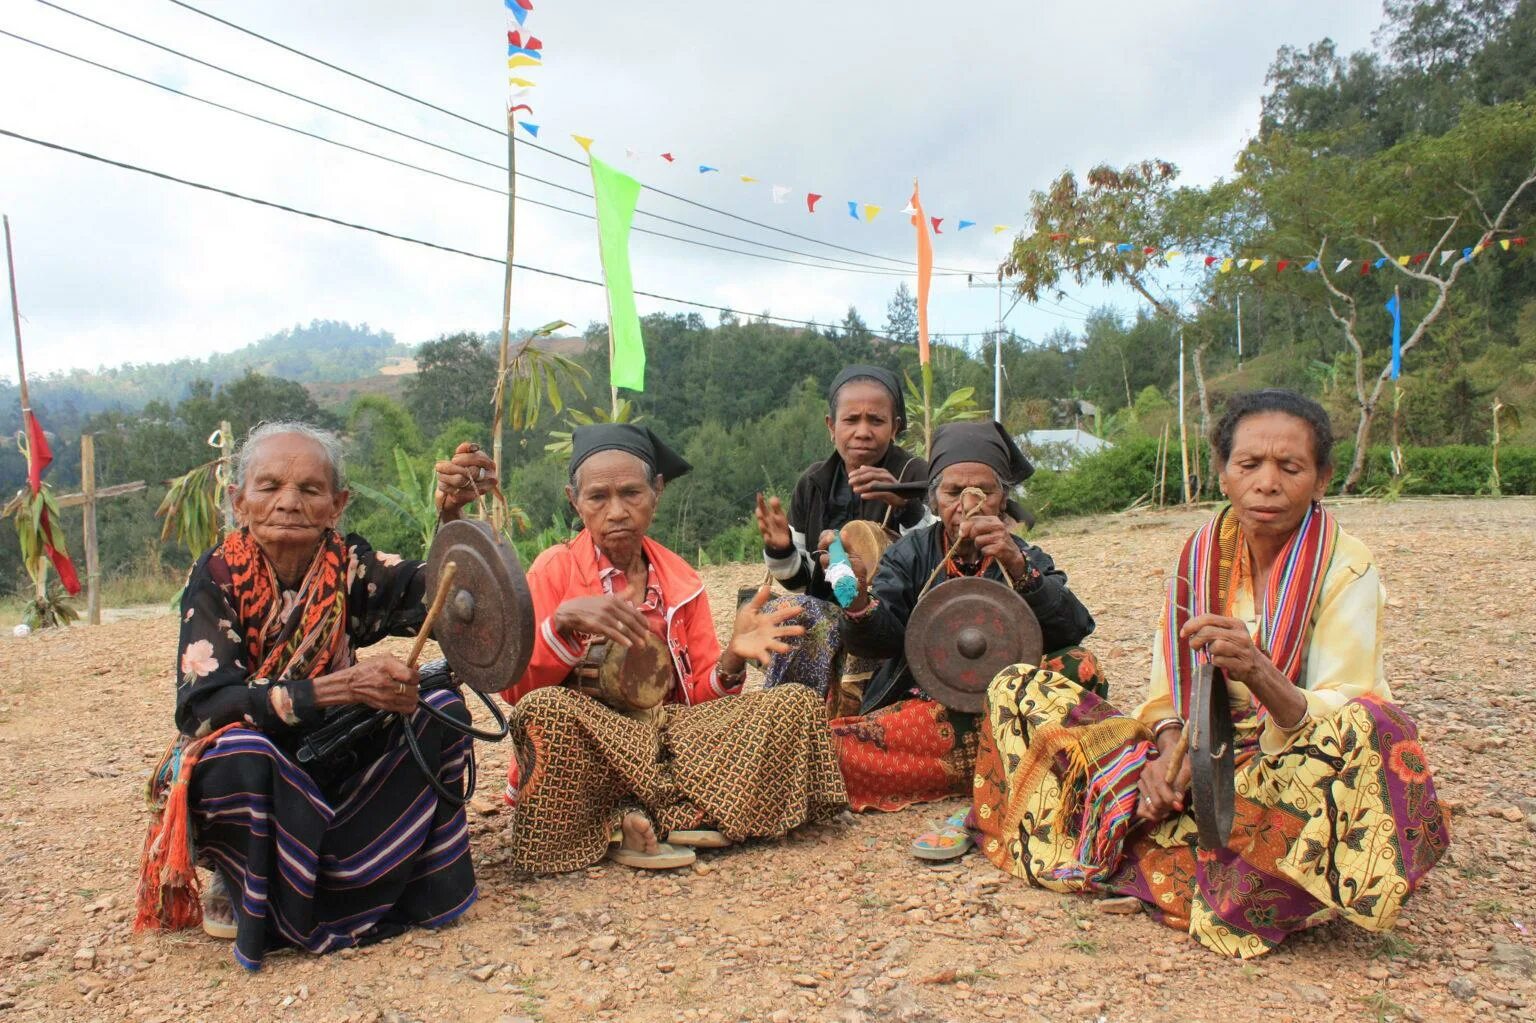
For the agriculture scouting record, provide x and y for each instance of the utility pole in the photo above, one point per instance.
(1239, 330)
(997, 347)
(1183, 436)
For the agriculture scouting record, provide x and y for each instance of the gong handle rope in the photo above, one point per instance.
(977, 499)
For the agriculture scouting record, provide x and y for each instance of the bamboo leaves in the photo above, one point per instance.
(26, 510)
(191, 507)
(625, 412)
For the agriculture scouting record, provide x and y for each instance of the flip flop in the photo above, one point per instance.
(665, 857)
(218, 895)
(949, 841)
(699, 839)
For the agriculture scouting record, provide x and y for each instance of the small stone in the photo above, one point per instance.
(1463, 987)
(1377, 973)
(780, 1016)
(1513, 957)
(36, 950)
(1311, 993)
(859, 998)
(89, 983)
(1123, 906)
(1086, 1007)
(666, 967)
(1513, 814)
(603, 943)
(85, 959)
(1156, 979)
(685, 941)
(483, 973)
(804, 980)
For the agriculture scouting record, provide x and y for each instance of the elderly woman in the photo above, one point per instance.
(904, 747)
(1336, 814)
(318, 856)
(708, 766)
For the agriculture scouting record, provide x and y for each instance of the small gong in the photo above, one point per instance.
(962, 633)
(627, 678)
(486, 625)
(1213, 770)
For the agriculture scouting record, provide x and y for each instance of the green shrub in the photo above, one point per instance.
(1108, 480)
(1451, 469)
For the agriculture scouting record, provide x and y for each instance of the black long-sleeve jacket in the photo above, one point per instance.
(905, 567)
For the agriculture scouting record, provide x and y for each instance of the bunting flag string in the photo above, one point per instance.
(523, 51)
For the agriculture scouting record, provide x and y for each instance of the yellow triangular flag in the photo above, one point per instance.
(523, 82)
(1403, 260)
(523, 60)
(1226, 265)
(1172, 254)
(870, 212)
(1254, 264)
(999, 228)
(1504, 244)
(1085, 240)
(583, 142)
(748, 179)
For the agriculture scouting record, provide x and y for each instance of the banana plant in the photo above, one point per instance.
(192, 507)
(533, 376)
(408, 499)
(560, 443)
(48, 607)
(960, 406)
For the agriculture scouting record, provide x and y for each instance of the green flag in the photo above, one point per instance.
(616, 195)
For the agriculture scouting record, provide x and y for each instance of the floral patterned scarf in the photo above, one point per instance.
(301, 638)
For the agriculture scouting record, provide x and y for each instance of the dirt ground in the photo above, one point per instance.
(838, 922)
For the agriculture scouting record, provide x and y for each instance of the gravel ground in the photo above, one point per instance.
(836, 923)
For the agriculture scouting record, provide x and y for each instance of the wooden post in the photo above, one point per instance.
(41, 580)
(227, 464)
(1183, 436)
(498, 509)
(92, 557)
(1495, 486)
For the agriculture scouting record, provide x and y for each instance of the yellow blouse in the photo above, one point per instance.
(1343, 659)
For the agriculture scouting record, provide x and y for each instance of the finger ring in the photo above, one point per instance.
(481, 474)
(400, 688)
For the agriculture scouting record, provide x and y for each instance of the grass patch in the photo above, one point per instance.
(1490, 907)
(1382, 1008)
(871, 901)
(1087, 946)
(1394, 946)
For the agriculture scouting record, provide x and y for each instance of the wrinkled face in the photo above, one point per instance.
(616, 502)
(288, 499)
(865, 423)
(948, 503)
(1272, 476)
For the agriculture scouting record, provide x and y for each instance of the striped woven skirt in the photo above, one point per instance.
(325, 864)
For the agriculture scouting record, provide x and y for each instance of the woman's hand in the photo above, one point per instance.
(1228, 644)
(865, 476)
(991, 537)
(773, 524)
(760, 634)
(383, 683)
(1161, 796)
(468, 476)
(607, 615)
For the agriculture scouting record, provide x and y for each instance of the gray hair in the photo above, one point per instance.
(933, 488)
(328, 441)
(651, 475)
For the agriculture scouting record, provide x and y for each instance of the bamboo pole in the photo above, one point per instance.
(92, 557)
(1498, 406)
(1183, 435)
(227, 461)
(498, 416)
(41, 578)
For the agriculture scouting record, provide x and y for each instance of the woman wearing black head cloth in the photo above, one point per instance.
(905, 747)
(865, 415)
(706, 767)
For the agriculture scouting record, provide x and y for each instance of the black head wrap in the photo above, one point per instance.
(639, 441)
(987, 443)
(884, 377)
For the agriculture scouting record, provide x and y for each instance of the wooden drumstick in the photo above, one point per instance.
(1176, 758)
(444, 584)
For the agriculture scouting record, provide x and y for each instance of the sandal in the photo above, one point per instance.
(950, 841)
(699, 839)
(666, 857)
(219, 910)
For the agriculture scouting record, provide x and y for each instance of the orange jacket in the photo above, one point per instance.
(569, 570)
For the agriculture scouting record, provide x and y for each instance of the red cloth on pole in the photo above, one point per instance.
(39, 454)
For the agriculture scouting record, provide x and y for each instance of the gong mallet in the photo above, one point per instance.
(444, 585)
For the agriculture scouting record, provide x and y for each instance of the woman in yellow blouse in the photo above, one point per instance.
(1336, 812)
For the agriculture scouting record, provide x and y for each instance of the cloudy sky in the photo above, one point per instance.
(983, 100)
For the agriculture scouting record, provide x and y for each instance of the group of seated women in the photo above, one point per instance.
(1336, 814)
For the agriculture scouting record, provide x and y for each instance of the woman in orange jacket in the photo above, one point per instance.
(707, 767)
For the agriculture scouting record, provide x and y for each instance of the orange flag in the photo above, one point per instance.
(924, 274)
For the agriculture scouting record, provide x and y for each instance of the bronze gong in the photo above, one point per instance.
(486, 624)
(962, 633)
(1213, 778)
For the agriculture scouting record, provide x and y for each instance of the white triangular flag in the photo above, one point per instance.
(1340, 268)
(780, 193)
(630, 152)
(1445, 256)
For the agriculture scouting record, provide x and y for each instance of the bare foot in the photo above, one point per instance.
(638, 833)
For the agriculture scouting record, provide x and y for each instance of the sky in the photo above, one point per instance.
(983, 101)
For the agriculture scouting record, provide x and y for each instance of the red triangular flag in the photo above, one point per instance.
(1209, 260)
(1517, 241)
(39, 454)
(1059, 236)
(667, 157)
(535, 43)
(811, 199)
(1149, 250)
(936, 221)
(1280, 266)
(1365, 267)
(1418, 257)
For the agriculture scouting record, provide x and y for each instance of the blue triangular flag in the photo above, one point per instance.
(1311, 267)
(1466, 253)
(1383, 261)
(1123, 247)
(853, 209)
(705, 168)
(965, 224)
(529, 127)
(518, 11)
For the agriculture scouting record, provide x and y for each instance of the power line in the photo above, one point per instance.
(842, 263)
(494, 129)
(395, 235)
(447, 149)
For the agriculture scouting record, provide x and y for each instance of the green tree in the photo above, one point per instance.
(901, 316)
(455, 375)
